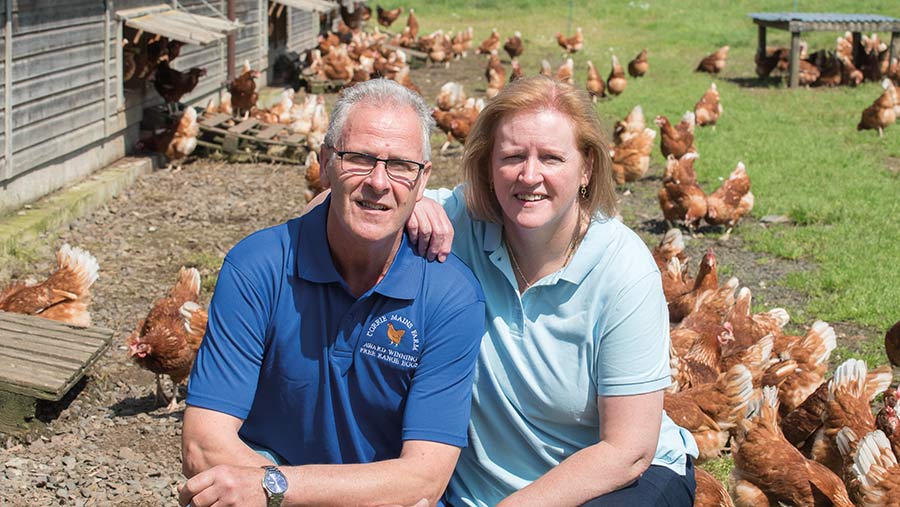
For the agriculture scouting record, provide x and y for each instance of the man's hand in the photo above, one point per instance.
(224, 485)
(431, 230)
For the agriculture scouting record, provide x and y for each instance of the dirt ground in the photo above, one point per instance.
(107, 442)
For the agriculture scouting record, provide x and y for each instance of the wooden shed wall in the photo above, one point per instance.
(60, 91)
(303, 29)
(64, 100)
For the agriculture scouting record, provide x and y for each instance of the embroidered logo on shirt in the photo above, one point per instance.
(392, 339)
(395, 335)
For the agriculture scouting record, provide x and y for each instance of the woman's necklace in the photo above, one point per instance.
(570, 251)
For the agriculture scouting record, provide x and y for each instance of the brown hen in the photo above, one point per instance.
(768, 469)
(571, 44)
(639, 66)
(616, 82)
(243, 89)
(876, 469)
(708, 108)
(64, 296)
(730, 202)
(882, 112)
(708, 411)
(595, 85)
(489, 45)
(846, 405)
(710, 491)
(715, 62)
(386, 17)
(162, 343)
(679, 140)
(892, 344)
(514, 46)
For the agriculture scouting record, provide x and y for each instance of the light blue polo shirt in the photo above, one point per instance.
(319, 376)
(597, 327)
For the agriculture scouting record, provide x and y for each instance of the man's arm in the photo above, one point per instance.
(422, 470)
(210, 438)
(628, 437)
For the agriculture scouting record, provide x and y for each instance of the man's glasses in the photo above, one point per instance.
(362, 164)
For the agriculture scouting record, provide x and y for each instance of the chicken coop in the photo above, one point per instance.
(71, 101)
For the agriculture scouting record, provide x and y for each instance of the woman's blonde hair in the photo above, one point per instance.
(533, 94)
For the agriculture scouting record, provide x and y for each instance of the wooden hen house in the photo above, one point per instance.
(65, 110)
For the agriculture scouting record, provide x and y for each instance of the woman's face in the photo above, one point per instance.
(537, 170)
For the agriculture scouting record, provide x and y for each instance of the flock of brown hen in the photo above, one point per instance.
(743, 384)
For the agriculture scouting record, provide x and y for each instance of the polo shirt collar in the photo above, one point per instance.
(578, 268)
(314, 263)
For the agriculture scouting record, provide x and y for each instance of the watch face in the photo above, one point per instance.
(275, 481)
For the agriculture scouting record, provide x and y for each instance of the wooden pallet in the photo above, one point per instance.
(251, 137)
(319, 86)
(41, 359)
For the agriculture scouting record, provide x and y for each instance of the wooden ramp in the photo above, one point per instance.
(41, 359)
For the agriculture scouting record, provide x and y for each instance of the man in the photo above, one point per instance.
(333, 351)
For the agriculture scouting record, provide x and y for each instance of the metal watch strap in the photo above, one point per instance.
(272, 499)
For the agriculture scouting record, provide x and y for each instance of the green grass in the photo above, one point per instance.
(801, 148)
(720, 468)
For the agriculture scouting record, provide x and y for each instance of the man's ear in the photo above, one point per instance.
(423, 181)
(325, 160)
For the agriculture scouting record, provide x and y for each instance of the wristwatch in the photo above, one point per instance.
(275, 485)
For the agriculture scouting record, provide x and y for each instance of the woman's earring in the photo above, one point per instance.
(491, 183)
(583, 191)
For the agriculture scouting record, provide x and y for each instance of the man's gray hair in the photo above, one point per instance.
(388, 95)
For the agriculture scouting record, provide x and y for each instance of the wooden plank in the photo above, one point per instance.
(16, 410)
(36, 133)
(228, 134)
(68, 341)
(42, 361)
(39, 15)
(55, 105)
(58, 39)
(295, 139)
(59, 144)
(44, 358)
(243, 126)
(48, 325)
(269, 132)
(26, 372)
(47, 347)
(52, 84)
(216, 120)
(51, 63)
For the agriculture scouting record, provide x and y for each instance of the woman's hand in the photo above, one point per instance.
(430, 229)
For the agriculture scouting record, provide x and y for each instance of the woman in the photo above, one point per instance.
(568, 397)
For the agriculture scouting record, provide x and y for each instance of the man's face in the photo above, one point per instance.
(373, 207)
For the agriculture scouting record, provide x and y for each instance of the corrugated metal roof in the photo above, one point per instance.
(309, 5)
(180, 25)
(822, 17)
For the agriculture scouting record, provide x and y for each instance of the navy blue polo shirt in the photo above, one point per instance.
(319, 376)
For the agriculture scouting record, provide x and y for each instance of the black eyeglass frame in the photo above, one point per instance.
(420, 165)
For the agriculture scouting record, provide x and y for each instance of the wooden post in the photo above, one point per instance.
(894, 48)
(857, 49)
(229, 75)
(120, 72)
(106, 75)
(761, 41)
(795, 60)
(7, 95)
(16, 411)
